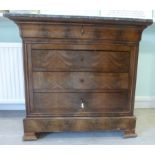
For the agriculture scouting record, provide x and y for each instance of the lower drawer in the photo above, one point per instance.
(80, 104)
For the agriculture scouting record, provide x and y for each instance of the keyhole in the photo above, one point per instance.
(82, 30)
(82, 104)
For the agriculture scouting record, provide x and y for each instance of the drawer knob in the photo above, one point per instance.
(82, 104)
(81, 80)
(82, 59)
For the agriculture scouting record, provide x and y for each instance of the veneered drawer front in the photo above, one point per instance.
(80, 31)
(76, 81)
(80, 104)
(80, 60)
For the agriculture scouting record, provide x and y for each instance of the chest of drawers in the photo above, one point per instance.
(80, 72)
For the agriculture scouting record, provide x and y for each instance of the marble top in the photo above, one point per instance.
(67, 18)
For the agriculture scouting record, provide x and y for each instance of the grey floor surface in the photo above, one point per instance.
(11, 132)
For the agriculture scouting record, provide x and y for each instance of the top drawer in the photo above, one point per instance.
(80, 31)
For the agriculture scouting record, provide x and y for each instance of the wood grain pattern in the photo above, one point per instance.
(81, 45)
(72, 81)
(60, 60)
(80, 31)
(71, 103)
(80, 72)
(126, 124)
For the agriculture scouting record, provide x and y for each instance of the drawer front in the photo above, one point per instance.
(76, 81)
(80, 60)
(80, 104)
(80, 31)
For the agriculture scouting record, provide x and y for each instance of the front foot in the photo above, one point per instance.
(129, 133)
(29, 136)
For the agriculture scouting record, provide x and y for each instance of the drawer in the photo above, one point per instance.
(78, 81)
(80, 60)
(80, 104)
(80, 31)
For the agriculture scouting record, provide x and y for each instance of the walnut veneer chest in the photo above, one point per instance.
(80, 72)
